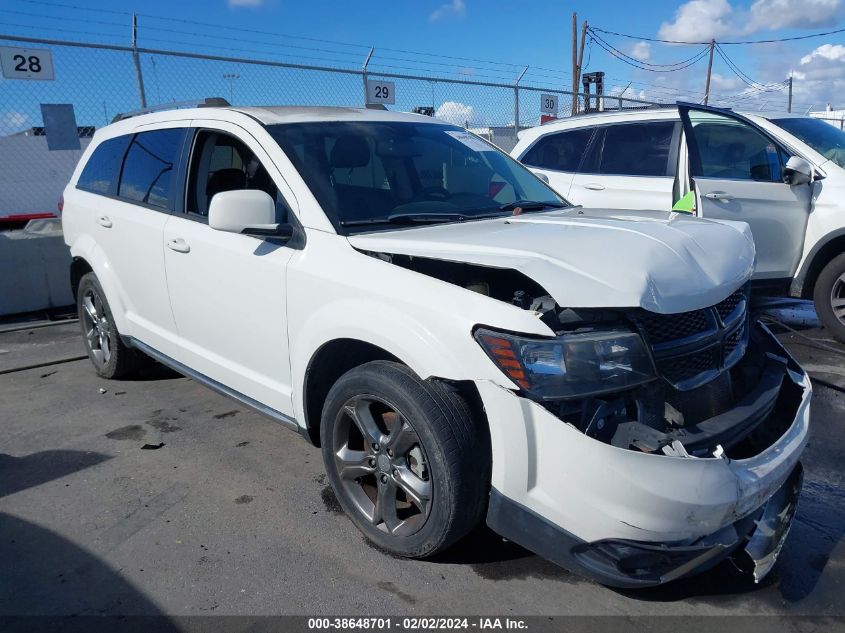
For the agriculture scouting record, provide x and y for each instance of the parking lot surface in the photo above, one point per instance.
(158, 496)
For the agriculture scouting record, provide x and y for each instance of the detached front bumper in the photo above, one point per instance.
(633, 519)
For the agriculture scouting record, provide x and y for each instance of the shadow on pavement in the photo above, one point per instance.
(44, 574)
(20, 473)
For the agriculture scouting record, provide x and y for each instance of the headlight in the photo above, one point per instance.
(571, 365)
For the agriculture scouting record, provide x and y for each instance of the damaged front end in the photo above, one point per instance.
(633, 446)
(702, 386)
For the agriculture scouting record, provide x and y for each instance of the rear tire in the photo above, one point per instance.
(109, 355)
(829, 297)
(408, 462)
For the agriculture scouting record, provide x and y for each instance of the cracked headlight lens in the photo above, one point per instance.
(570, 365)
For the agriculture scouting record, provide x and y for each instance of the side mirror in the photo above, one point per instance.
(247, 211)
(541, 176)
(798, 171)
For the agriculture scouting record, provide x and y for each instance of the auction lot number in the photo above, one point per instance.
(417, 624)
(26, 63)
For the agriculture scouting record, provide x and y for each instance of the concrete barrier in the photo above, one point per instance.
(34, 268)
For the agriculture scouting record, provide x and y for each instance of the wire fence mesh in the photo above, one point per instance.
(101, 80)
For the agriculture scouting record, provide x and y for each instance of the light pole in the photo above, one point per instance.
(231, 78)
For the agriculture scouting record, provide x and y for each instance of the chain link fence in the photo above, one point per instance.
(100, 81)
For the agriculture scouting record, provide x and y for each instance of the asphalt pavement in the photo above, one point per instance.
(158, 496)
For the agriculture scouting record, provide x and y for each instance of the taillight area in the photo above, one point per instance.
(60, 203)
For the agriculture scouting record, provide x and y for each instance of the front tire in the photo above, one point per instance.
(829, 297)
(408, 462)
(109, 355)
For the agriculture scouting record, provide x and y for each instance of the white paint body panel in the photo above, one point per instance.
(251, 315)
(663, 262)
(811, 215)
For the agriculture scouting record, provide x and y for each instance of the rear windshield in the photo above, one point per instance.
(827, 140)
(371, 175)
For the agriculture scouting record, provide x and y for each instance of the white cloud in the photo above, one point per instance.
(641, 51)
(455, 8)
(12, 121)
(699, 21)
(702, 20)
(234, 4)
(831, 52)
(720, 83)
(455, 112)
(770, 15)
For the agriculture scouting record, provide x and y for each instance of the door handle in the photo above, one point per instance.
(718, 195)
(179, 245)
(104, 221)
(594, 186)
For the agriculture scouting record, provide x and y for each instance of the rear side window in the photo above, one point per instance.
(100, 172)
(561, 151)
(149, 165)
(632, 149)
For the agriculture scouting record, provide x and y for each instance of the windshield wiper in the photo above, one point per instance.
(409, 218)
(531, 205)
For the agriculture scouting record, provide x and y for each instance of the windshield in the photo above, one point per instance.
(821, 136)
(372, 175)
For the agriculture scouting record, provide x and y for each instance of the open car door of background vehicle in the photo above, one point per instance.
(737, 174)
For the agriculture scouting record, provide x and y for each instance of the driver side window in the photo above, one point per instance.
(220, 162)
(728, 148)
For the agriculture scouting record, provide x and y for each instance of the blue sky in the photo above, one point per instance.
(427, 36)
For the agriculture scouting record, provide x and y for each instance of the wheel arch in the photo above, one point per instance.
(78, 268)
(338, 356)
(823, 252)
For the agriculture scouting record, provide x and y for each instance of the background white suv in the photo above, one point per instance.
(783, 174)
(450, 331)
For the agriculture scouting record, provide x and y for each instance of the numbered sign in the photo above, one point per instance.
(381, 91)
(26, 63)
(548, 104)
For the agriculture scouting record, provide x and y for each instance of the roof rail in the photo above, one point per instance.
(208, 102)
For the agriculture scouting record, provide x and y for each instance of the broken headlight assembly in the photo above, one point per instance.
(573, 365)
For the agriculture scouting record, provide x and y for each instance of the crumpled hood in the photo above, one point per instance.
(662, 261)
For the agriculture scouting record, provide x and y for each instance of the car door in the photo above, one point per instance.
(629, 166)
(737, 174)
(557, 155)
(228, 291)
(129, 228)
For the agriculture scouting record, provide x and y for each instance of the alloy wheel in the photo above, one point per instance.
(837, 298)
(381, 465)
(96, 326)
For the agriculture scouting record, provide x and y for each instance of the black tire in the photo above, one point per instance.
(109, 355)
(451, 456)
(829, 297)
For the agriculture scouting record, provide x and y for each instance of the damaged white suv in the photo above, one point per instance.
(461, 342)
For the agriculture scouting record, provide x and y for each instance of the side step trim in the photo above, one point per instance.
(219, 387)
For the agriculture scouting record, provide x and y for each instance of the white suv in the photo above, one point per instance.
(459, 340)
(783, 174)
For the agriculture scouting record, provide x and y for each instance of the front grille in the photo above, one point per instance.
(670, 327)
(689, 366)
(692, 348)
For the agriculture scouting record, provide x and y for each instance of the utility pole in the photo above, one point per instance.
(574, 63)
(709, 70)
(135, 58)
(580, 64)
(789, 103)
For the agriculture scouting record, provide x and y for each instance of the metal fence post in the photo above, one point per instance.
(516, 101)
(137, 60)
(364, 73)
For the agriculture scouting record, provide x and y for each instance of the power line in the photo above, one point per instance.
(693, 60)
(75, 7)
(63, 18)
(737, 42)
(641, 61)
